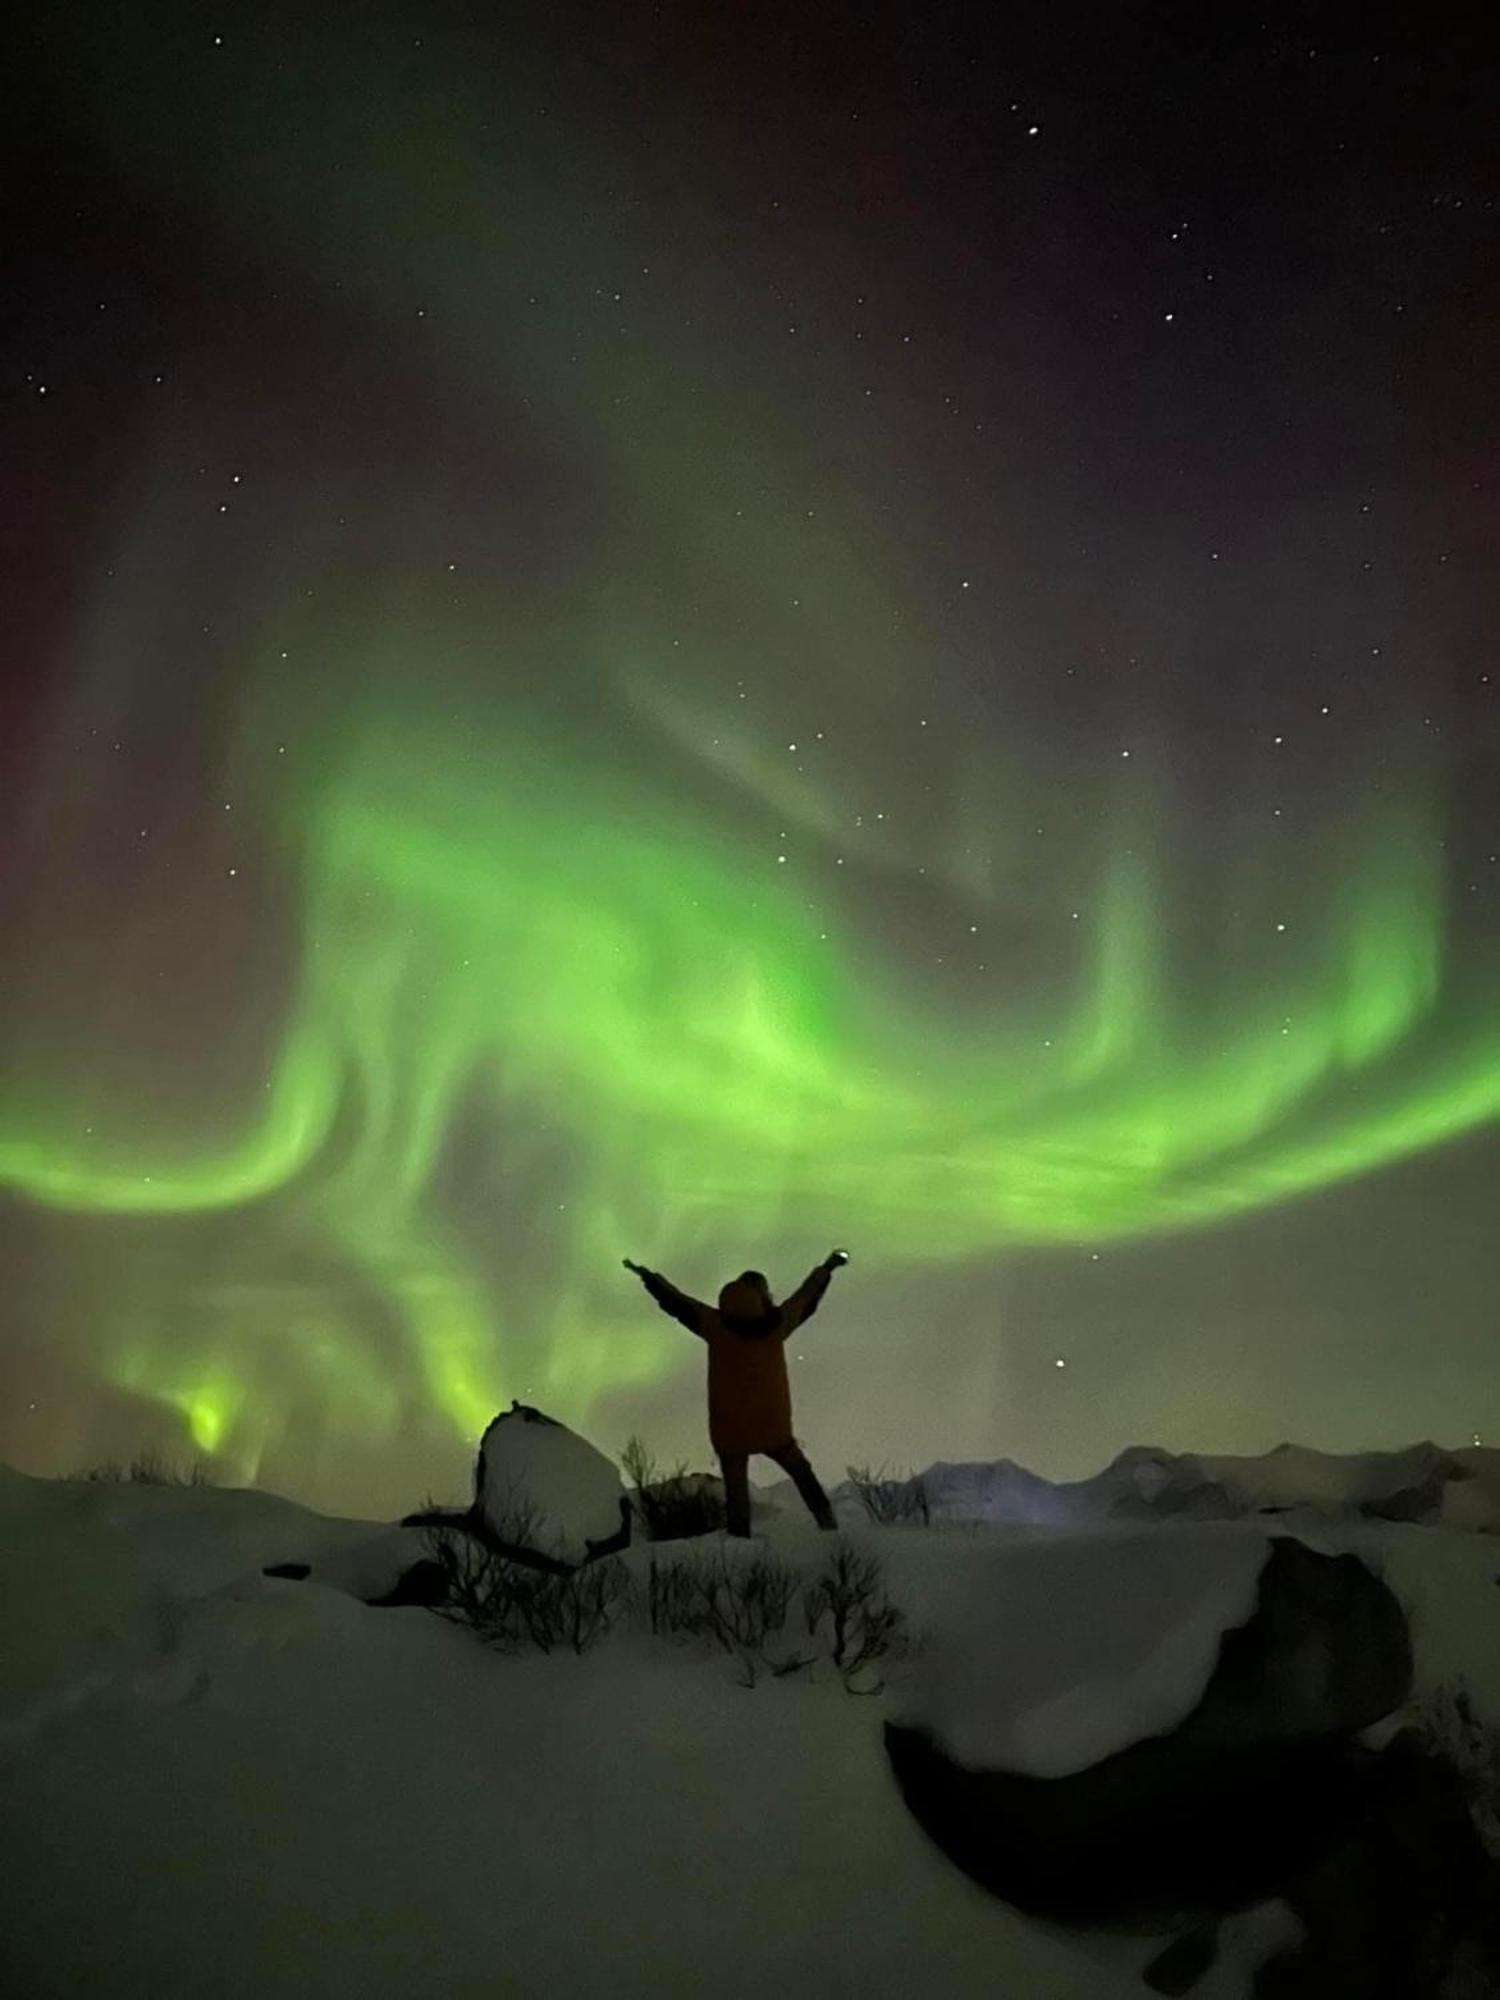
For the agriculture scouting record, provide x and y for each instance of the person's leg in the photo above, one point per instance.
(735, 1466)
(791, 1458)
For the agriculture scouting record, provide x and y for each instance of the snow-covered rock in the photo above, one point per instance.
(1053, 1651)
(1072, 1801)
(541, 1487)
(1373, 1853)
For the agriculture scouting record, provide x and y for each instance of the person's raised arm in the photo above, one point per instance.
(804, 1302)
(691, 1312)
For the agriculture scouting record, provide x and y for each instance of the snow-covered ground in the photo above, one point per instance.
(221, 1783)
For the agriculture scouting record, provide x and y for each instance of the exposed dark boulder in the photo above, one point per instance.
(1403, 1904)
(1327, 1651)
(1375, 1853)
(1261, 1791)
(1420, 1499)
(1146, 1837)
(425, 1583)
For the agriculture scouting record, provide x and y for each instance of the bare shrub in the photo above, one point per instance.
(736, 1599)
(147, 1468)
(891, 1499)
(473, 1593)
(847, 1605)
(673, 1506)
(637, 1462)
(577, 1610)
(744, 1606)
(740, 1604)
(511, 1606)
(670, 1593)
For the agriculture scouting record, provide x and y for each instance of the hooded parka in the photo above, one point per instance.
(749, 1397)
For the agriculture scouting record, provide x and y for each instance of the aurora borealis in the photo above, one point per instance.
(645, 632)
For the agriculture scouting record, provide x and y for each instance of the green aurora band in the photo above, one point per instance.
(501, 929)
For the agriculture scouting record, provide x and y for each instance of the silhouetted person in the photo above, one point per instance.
(749, 1397)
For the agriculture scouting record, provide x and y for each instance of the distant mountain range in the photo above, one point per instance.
(1424, 1484)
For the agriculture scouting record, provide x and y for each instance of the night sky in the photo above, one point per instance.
(700, 631)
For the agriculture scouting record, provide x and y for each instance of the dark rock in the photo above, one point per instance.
(1146, 1837)
(424, 1583)
(1421, 1499)
(1404, 1897)
(1374, 1852)
(1326, 1651)
(1251, 1794)
(1184, 1962)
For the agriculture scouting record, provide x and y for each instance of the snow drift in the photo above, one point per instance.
(219, 1781)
